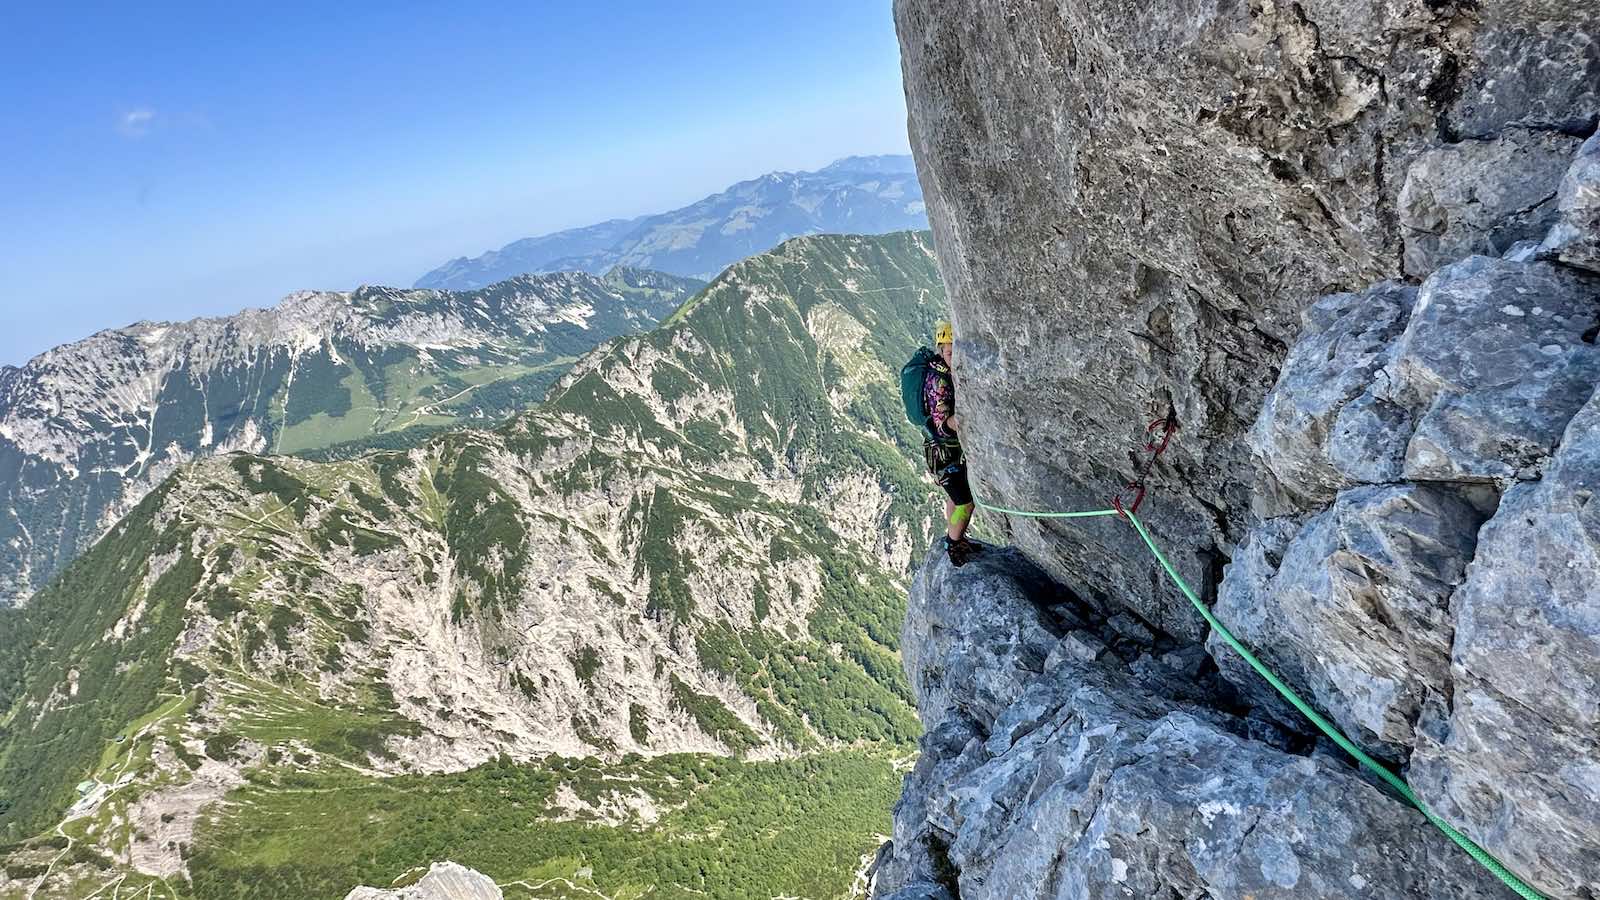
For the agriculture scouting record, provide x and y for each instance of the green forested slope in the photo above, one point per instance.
(697, 546)
(88, 428)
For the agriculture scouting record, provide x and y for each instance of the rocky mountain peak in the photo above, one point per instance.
(442, 881)
(88, 428)
(884, 164)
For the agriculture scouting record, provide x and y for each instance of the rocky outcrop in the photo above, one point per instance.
(1517, 762)
(1133, 203)
(1438, 600)
(1457, 200)
(1052, 769)
(444, 881)
(1354, 248)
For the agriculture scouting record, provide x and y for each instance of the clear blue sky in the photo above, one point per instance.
(196, 159)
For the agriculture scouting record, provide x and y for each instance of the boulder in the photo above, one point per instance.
(1480, 197)
(444, 881)
(1494, 362)
(1324, 427)
(1352, 610)
(1575, 238)
(1470, 378)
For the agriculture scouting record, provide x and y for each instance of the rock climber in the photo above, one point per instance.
(946, 462)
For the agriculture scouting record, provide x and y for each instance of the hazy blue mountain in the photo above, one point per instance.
(856, 195)
(463, 273)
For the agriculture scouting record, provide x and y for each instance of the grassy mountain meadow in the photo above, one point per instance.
(638, 640)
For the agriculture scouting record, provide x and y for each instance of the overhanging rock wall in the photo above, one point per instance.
(1355, 247)
(1134, 202)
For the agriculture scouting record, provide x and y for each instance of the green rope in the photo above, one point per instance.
(1482, 856)
(1377, 768)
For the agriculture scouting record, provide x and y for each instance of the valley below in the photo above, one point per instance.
(639, 640)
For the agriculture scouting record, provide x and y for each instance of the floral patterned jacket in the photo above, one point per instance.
(939, 394)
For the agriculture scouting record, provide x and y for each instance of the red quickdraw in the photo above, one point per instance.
(1154, 446)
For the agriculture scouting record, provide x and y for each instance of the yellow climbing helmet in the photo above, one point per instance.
(943, 333)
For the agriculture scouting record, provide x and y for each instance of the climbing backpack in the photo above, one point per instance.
(913, 376)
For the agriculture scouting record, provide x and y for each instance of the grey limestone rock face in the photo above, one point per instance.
(1134, 202)
(1352, 609)
(1575, 239)
(1354, 246)
(1469, 379)
(1324, 427)
(1094, 783)
(1518, 762)
(1527, 62)
(444, 881)
(1497, 357)
(1480, 197)
(1444, 614)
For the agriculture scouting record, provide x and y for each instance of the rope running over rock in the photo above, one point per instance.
(1482, 856)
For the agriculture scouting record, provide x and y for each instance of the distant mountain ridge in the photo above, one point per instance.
(856, 195)
(87, 429)
(651, 623)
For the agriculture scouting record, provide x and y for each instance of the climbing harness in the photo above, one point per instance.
(940, 454)
(1126, 512)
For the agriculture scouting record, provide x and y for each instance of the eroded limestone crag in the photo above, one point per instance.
(1134, 203)
(1058, 766)
(443, 881)
(1356, 248)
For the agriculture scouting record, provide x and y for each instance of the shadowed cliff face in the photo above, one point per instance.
(1133, 203)
(1354, 246)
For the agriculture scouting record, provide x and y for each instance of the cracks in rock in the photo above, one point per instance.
(945, 873)
(1328, 214)
(1219, 521)
(1442, 93)
(1216, 563)
(1388, 216)
(1154, 343)
(1532, 206)
(1052, 882)
(1349, 60)
(1249, 830)
(1445, 88)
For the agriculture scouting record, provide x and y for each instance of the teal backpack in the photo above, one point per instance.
(913, 375)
